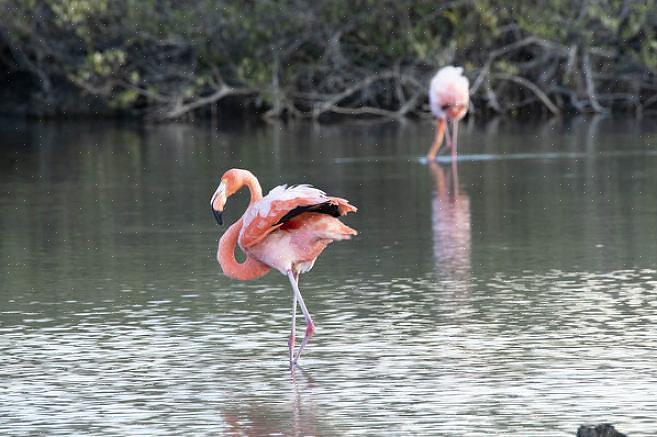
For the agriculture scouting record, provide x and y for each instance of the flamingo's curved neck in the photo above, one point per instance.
(253, 185)
(250, 268)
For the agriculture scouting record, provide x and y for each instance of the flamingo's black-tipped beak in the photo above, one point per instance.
(218, 201)
(217, 216)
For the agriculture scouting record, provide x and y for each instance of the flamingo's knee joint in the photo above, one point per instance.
(310, 329)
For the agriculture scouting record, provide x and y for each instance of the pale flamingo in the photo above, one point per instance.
(286, 230)
(449, 99)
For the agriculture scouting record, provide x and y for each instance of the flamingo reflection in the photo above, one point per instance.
(296, 418)
(450, 223)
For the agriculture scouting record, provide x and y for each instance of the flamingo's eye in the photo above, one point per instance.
(444, 107)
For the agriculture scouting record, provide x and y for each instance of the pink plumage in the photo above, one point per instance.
(449, 100)
(448, 87)
(286, 230)
(292, 244)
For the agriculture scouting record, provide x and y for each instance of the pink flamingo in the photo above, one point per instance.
(286, 230)
(449, 98)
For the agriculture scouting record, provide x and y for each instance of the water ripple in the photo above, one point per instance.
(407, 356)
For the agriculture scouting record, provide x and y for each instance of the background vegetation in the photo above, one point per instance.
(167, 59)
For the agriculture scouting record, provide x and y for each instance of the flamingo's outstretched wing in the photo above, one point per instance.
(283, 203)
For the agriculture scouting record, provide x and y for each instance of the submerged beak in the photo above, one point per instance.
(457, 111)
(218, 201)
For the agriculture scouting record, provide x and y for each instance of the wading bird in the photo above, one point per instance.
(449, 99)
(286, 230)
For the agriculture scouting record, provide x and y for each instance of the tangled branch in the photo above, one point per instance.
(290, 59)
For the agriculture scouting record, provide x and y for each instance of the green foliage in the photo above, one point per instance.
(148, 52)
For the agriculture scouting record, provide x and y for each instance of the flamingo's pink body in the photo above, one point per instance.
(449, 99)
(286, 230)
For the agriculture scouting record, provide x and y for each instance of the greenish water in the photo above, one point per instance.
(513, 295)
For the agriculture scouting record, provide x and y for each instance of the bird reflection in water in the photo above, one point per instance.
(295, 418)
(450, 223)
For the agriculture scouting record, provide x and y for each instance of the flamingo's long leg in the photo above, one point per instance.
(291, 340)
(448, 137)
(438, 140)
(455, 132)
(310, 326)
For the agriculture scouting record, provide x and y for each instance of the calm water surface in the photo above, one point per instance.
(513, 295)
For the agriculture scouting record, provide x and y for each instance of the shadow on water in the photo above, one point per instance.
(511, 296)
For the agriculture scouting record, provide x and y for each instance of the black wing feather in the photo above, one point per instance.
(322, 208)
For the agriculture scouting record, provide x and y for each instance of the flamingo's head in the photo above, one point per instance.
(455, 111)
(231, 181)
(450, 93)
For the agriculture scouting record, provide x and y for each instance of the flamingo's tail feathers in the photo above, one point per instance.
(343, 205)
(340, 231)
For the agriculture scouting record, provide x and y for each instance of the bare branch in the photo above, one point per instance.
(590, 85)
(531, 87)
(510, 48)
(179, 109)
(337, 98)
